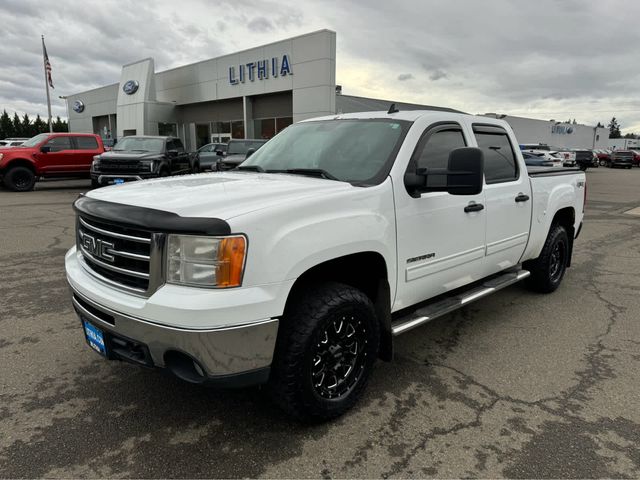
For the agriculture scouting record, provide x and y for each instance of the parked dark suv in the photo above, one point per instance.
(621, 158)
(238, 151)
(138, 157)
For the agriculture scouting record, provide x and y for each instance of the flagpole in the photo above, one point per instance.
(46, 83)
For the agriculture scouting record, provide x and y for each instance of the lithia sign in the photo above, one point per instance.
(260, 69)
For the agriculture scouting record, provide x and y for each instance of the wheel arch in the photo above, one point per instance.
(567, 218)
(20, 162)
(366, 271)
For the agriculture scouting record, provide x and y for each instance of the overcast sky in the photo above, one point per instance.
(544, 59)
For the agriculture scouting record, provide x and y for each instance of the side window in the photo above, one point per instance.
(433, 152)
(86, 143)
(58, 144)
(500, 163)
(177, 145)
(170, 145)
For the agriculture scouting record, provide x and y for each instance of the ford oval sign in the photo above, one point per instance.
(130, 87)
(78, 106)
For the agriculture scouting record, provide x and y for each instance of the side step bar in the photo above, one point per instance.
(449, 304)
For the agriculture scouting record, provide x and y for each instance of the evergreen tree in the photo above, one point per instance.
(27, 128)
(39, 126)
(59, 125)
(600, 125)
(614, 129)
(6, 127)
(17, 126)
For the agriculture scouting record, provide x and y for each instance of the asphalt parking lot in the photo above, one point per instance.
(516, 385)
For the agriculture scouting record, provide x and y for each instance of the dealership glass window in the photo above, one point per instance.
(202, 134)
(168, 129)
(264, 128)
(237, 129)
(282, 123)
(220, 127)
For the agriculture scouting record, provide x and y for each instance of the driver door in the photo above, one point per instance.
(441, 237)
(60, 158)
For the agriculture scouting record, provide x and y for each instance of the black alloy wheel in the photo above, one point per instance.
(20, 179)
(339, 357)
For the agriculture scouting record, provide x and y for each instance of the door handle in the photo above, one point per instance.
(473, 207)
(522, 197)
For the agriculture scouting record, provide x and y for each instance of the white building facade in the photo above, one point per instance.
(250, 94)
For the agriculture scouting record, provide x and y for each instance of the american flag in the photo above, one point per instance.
(47, 64)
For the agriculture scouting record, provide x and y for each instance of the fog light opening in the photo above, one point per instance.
(184, 367)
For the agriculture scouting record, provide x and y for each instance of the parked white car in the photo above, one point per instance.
(300, 267)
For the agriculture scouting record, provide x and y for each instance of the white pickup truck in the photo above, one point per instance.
(298, 268)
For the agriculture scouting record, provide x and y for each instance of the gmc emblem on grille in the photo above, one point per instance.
(96, 247)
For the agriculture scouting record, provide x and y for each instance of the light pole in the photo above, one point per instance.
(66, 102)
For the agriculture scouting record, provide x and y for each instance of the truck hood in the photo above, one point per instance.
(113, 155)
(221, 195)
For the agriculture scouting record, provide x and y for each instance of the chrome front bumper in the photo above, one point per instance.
(230, 356)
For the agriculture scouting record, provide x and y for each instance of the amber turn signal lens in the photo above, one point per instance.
(230, 265)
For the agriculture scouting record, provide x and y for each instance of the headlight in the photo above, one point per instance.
(148, 164)
(205, 261)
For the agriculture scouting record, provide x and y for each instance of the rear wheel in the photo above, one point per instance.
(548, 269)
(19, 179)
(326, 348)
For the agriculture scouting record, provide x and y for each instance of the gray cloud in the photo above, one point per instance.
(437, 74)
(545, 59)
(261, 24)
(405, 76)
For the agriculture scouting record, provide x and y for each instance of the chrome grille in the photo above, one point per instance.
(122, 256)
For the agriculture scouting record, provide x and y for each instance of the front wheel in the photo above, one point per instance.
(19, 179)
(602, 163)
(548, 269)
(327, 345)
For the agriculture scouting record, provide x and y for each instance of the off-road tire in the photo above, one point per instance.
(303, 328)
(19, 179)
(547, 270)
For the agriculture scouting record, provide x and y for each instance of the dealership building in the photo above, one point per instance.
(254, 93)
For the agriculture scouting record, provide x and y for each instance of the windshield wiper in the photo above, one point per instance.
(312, 172)
(251, 168)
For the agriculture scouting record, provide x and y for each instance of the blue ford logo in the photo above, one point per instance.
(78, 106)
(130, 87)
(569, 130)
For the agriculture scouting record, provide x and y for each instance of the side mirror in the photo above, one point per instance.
(219, 153)
(45, 149)
(465, 171)
(464, 174)
(250, 152)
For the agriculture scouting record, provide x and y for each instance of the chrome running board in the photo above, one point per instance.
(449, 304)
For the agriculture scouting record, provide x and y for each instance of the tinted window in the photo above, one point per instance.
(435, 153)
(177, 145)
(86, 143)
(140, 144)
(499, 159)
(58, 144)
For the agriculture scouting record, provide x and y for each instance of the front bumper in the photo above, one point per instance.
(228, 357)
(109, 178)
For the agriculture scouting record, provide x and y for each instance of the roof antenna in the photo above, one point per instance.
(393, 109)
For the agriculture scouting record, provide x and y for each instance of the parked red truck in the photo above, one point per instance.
(48, 155)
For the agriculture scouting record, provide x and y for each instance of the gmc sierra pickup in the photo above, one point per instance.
(298, 268)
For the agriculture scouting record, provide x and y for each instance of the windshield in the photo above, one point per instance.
(140, 144)
(32, 142)
(241, 147)
(358, 151)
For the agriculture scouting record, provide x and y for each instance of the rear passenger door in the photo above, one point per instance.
(507, 198)
(85, 147)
